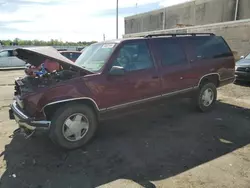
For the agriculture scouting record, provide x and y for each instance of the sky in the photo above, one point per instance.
(69, 20)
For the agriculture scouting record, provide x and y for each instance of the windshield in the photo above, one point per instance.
(248, 56)
(95, 56)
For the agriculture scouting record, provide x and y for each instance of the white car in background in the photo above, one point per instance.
(9, 60)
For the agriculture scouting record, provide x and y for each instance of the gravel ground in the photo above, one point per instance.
(165, 146)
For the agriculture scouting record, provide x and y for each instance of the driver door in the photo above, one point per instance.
(140, 80)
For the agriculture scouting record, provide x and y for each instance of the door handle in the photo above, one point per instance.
(181, 78)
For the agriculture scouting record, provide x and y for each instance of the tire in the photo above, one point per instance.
(201, 105)
(62, 120)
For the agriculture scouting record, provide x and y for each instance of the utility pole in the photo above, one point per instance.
(103, 36)
(116, 19)
(236, 10)
(136, 7)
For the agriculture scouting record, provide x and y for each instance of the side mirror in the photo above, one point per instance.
(242, 57)
(117, 71)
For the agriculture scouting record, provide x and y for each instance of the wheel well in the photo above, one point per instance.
(210, 79)
(50, 110)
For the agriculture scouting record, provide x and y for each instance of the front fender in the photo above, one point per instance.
(62, 93)
(36, 102)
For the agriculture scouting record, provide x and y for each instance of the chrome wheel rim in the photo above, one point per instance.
(207, 97)
(75, 127)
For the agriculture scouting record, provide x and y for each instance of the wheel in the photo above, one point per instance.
(206, 97)
(73, 125)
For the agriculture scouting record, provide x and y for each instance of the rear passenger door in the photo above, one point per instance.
(209, 55)
(174, 66)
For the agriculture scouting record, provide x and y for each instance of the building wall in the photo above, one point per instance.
(214, 11)
(236, 33)
(145, 22)
(196, 12)
(180, 14)
(244, 9)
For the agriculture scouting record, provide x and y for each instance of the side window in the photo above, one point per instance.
(11, 53)
(134, 56)
(210, 47)
(171, 52)
(4, 54)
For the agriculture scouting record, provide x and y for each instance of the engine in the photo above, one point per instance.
(30, 83)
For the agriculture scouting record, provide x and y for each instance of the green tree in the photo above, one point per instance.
(52, 42)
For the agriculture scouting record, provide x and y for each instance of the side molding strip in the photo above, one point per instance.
(73, 99)
(135, 102)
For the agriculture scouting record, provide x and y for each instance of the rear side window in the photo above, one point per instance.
(209, 47)
(171, 52)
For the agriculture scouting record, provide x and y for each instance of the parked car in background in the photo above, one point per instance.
(72, 55)
(9, 60)
(61, 49)
(242, 69)
(80, 48)
(113, 77)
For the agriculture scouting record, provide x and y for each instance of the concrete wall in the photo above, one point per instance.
(145, 22)
(214, 11)
(236, 33)
(244, 9)
(180, 14)
(196, 12)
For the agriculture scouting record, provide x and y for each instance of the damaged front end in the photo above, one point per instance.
(27, 125)
(23, 108)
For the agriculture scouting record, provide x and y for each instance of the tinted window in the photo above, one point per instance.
(209, 47)
(134, 56)
(171, 52)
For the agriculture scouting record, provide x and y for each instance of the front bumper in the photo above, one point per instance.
(244, 76)
(26, 122)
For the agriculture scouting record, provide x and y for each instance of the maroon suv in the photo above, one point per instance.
(115, 76)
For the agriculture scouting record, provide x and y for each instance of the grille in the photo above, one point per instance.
(243, 69)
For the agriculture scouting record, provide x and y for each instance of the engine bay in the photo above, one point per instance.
(29, 83)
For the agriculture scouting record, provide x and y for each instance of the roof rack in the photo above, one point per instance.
(177, 34)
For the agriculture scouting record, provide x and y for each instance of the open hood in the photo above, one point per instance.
(37, 55)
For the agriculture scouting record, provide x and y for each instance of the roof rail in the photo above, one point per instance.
(177, 34)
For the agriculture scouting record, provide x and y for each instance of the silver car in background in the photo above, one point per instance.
(9, 60)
